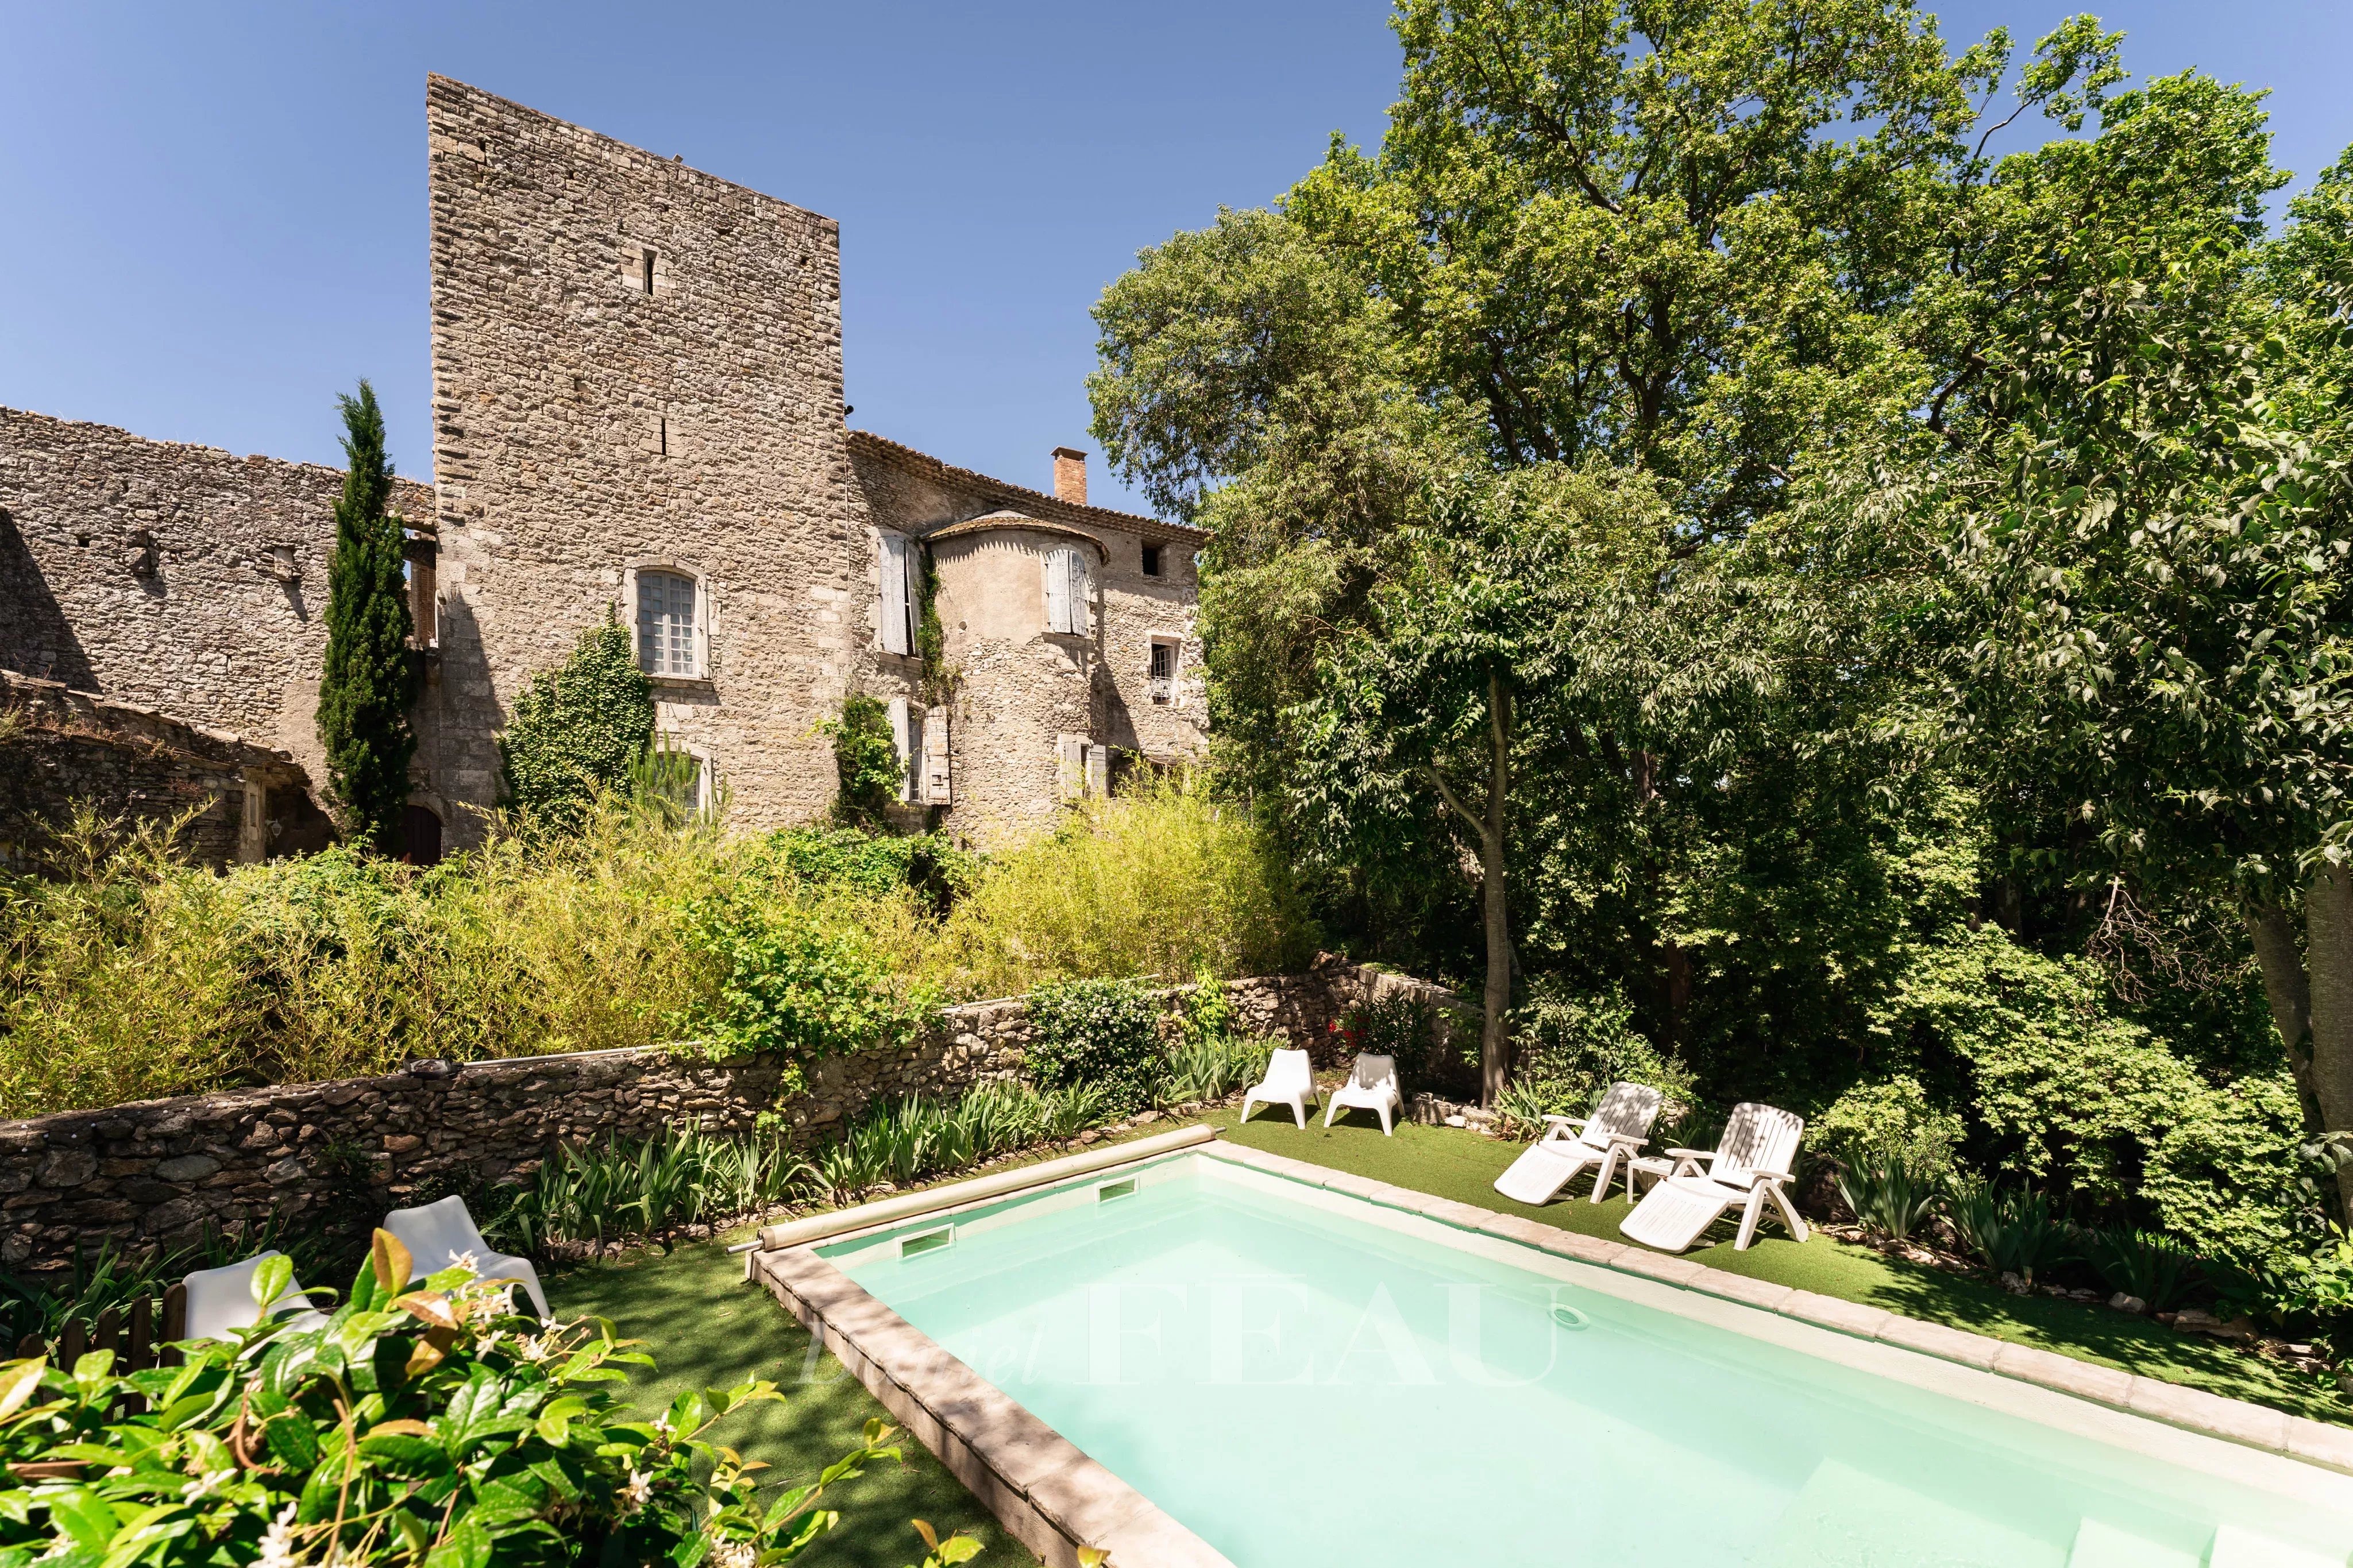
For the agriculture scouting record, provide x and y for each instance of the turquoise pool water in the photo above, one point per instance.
(1300, 1385)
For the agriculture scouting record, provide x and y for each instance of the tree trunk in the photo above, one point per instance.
(1495, 1063)
(2290, 995)
(2328, 960)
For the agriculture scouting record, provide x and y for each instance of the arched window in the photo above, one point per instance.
(1069, 593)
(669, 624)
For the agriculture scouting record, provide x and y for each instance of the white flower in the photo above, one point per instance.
(663, 1428)
(735, 1555)
(635, 1495)
(532, 1347)
(205, 1483)
(278, 1542)
(467, 1261)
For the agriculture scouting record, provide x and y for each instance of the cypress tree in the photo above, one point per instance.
(370, 677)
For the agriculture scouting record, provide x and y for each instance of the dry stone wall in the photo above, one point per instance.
(162, 1170)
(176, 577)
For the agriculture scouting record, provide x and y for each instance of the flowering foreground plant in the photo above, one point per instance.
(423, 1423)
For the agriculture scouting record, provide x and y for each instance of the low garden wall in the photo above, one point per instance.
(163, 1169)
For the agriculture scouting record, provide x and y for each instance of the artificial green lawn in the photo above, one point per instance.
(706, 1328)
(1454, 1162)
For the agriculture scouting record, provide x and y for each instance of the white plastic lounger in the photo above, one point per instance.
(1749, 1166)
(1373, 1086)
(1608, 1138)
(442, 1234)
(1290, 1080)
(220, 1301)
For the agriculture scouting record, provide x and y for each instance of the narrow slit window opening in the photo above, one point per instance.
(645, 272)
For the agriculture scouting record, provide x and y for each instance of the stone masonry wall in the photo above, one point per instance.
(160, 1168)
(64, 748)
(586, 426)
(1018, 687)
(176, 577)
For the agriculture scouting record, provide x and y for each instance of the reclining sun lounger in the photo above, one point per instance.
(1750, 1166)
(1618, 1126)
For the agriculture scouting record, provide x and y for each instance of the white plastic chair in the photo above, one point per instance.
(1290, 1080)
(1749, 1166)
(1620, 1125)
(442, 1234)
(1371, 1086)
(220, 1301)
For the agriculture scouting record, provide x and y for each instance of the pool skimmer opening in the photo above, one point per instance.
(1110, 1190)
(928, 1241)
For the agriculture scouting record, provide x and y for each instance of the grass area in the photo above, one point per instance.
(705, 1327)
(1454, 1162)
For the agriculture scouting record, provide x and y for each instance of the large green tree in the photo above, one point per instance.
(1678, 242)
(370, 674)
(2148, 499)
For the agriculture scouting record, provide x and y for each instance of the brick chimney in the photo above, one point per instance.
(1070, 475)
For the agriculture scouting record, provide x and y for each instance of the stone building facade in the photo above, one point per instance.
(637, 410)
(59, 747)
(176, 577)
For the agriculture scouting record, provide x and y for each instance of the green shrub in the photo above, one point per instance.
(1166, 883)
(794, 983)
(425, 1421)
(1890, 1198)
(1102, 1033)
(2142, 1263)
(584, 1194)
(2008, 1231)
(1570, 1047)
(879, 865)
(575, 729)
(1402, 1025)
(1889, 1121)
(866, 762)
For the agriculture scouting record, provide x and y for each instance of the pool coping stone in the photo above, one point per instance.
(2317, 1443)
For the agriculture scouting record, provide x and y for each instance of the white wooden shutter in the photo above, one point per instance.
(935, 757)
(894, 595)
(912, 555)
(1098, 770)
(1058, 590)
(1083, 594)
(901, 741)
(1071, 765)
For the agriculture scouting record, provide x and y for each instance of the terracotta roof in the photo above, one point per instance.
(1035, 504)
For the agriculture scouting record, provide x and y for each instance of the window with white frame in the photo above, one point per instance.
(1069, 593)
(1164, 672)
(669, 625)
(901, 564)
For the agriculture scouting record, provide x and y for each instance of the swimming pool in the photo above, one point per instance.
(1300, 1376)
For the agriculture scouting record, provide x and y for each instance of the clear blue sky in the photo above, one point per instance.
(215, 216)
